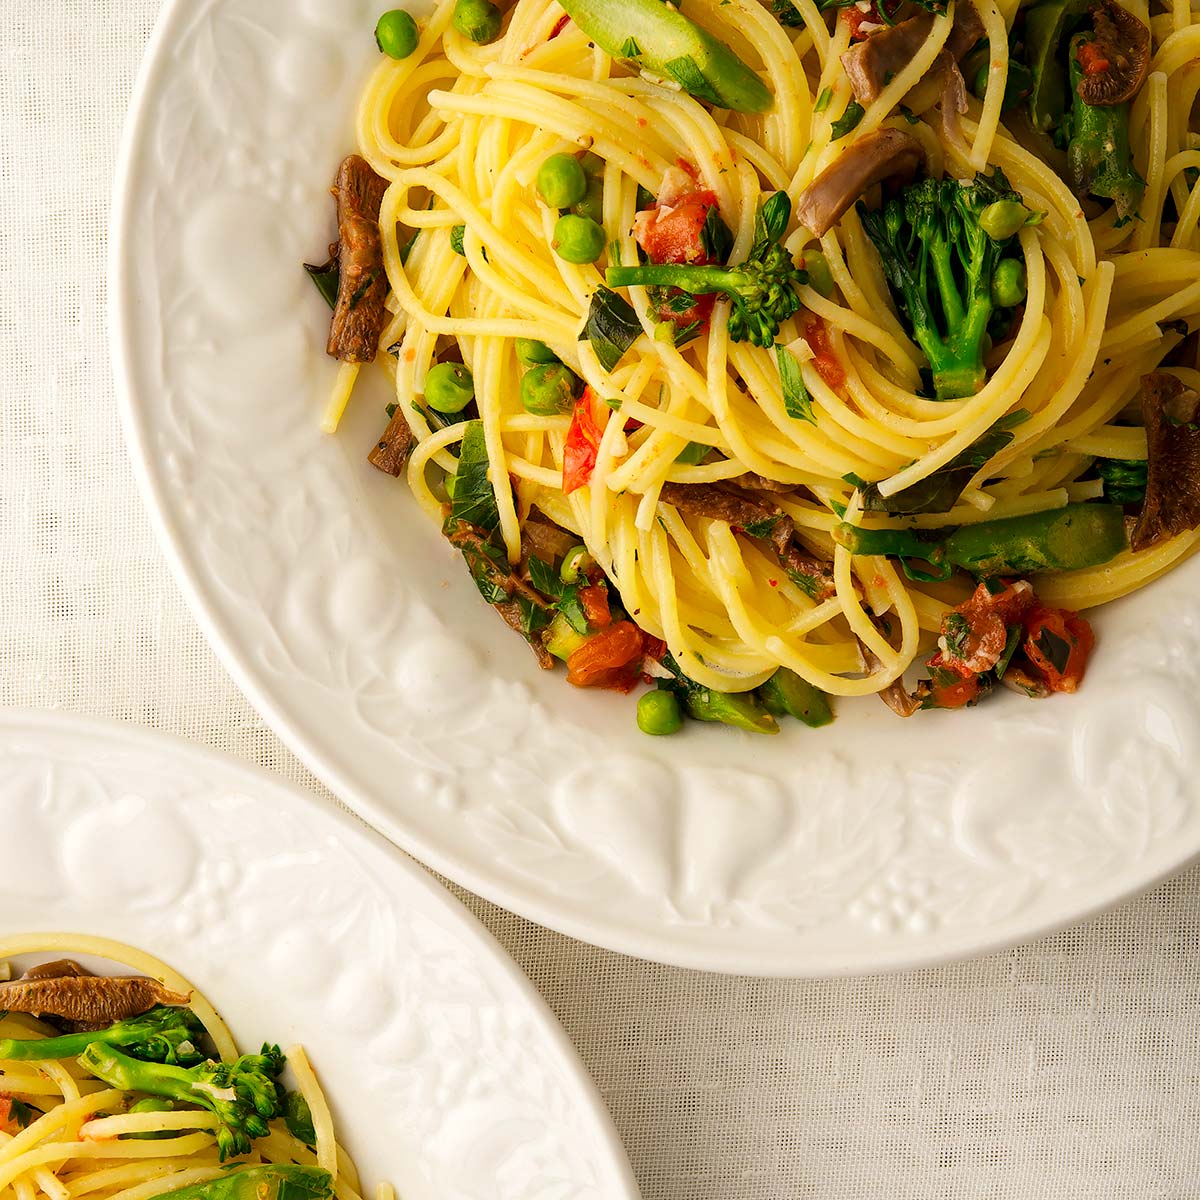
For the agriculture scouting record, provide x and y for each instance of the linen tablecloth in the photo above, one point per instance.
(1065, 1069)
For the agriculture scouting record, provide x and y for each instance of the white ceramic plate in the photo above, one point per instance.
(354, 628)
(447, 1074)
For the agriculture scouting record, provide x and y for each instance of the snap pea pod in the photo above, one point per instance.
(787, 694)
(662, 40)
(1060, 539)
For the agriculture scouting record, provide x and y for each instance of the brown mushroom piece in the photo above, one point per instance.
(871, 64)
(543, 538)
(881, 155)
(1119, 58)
(390, 453)
(757, 516)
(57, 969)
(1171, 415)
(95, 999)
(359, 314)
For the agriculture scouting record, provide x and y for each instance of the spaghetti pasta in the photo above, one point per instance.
(458, 130)
(65, 1133)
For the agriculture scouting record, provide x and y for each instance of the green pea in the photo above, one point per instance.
(578, 239)
(449, 387)
(561, 181)
(532, 353)
(396, 34)
(575, 563)
(477, 20)
(1002, 218)
(548, 390)
(1008, 283)
(820, 278)
(659, 714)
(592, 203)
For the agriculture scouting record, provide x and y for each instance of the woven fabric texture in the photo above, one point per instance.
(1063, 1070)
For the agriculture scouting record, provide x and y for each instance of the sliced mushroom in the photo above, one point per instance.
(896, 696)
(359, 315)
(390, 453)
(1120, 56)
(872, 159)
(542, 538)
(757, 516)
(812, 575)
(96, 999)
(57, 969)
(872, 64)
(1171, 414)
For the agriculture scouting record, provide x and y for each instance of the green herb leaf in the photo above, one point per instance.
(771, 221)
(298, 1118)
(956, 629)
(763, 528)
(456, 239)
(474, 497)
(545, 578)
(796, 398)
(629, 49)
(1010, 648)
(612, 326)
(1057, 650)
(688, 75)
(716, 237)
(693, 454)
(848, 120)
(325, 279)
(823, 100)
(571, 608)
(940, 491)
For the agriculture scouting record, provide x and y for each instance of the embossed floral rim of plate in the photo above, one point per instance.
(871, 844)
(448, 1075)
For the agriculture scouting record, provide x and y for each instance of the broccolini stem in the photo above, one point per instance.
(696, 280)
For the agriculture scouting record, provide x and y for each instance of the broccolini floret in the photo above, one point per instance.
(164, 1034)
(243, 1094)
(941, 242)
(763, 288)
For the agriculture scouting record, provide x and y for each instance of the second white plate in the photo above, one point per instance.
(447, 1075)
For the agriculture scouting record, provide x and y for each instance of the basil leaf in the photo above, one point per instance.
(1010, 648)
(298, 1118)
(474, 499)
(823, 100)
(629, 49)
(571, 607)
(796, 398)
(939, 492)
(1056, 649)
(770, 224)
(545, 578)
(763, 528)
(693, 454)
(612, 326)
(457, 232)
(848, 120)
(688, 75)
(325, 279)
(716, 237)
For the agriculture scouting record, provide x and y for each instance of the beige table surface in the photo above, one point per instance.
(1064, 1069)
